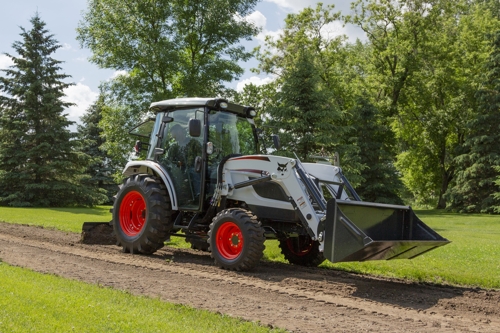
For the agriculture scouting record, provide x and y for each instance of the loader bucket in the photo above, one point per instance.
(98, 233)
(362, 231)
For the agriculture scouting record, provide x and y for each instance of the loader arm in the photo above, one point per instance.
(347, 230)
(283, 171)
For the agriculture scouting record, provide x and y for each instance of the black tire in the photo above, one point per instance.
(301, 251)
(236, 239)
(142, 215)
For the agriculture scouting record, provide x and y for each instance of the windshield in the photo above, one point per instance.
(231, 134)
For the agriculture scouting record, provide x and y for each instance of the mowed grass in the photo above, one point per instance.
(472, 259)
(65, 219)
(33, 302)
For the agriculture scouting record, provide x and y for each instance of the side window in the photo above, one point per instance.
(181, 152)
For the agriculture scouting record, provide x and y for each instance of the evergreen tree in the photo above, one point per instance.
(381, 181)
(39, 162)
(478, 164)
(302, 112)
(100, 172)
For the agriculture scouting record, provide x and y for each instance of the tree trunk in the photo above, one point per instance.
(446, 177)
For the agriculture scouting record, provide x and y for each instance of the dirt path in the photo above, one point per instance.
(296, 298)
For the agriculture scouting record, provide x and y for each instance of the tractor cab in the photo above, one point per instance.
(189, 137)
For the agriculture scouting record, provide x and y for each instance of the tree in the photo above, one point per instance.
(315, 77)
(101, 170)
(380, 180)
(302, 113)
(475, 186)
(165, 49)
(169, 48)
(39, 161)
(426, 63)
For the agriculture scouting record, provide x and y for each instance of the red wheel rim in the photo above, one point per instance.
(229, 240)
(132, 213)
(300, 246)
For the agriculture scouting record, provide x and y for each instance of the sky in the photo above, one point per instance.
(62, 17)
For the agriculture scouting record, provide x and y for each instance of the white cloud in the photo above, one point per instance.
(332, 30)
(257, 18)
(118, 73)
(261, 21)
(253, 80)
(66, 47)
(329, 31)
(82, 96)
(5, 61)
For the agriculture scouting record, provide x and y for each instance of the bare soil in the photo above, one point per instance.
(278, 295)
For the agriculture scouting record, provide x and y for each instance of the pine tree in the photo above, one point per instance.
(475, 186)
(100, 171)
(381, 181)
(302, 113)
(39, 160)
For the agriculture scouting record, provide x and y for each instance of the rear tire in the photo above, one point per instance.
(236, 239)
(302, 251)
(142, 216)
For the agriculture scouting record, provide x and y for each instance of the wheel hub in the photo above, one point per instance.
(235, 240)
(229, 240)
(132, 213)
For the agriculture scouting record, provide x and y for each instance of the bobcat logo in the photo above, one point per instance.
(282, 168)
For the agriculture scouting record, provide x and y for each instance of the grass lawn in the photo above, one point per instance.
(34, 302)
(65, 219)
(472, 259)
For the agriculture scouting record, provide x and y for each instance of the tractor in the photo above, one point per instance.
(202, 178)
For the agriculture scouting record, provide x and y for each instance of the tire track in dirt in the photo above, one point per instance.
(299, 299)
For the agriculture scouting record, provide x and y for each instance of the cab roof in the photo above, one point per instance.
(218, 104)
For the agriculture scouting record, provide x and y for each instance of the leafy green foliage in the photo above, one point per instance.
(426, 62)
(311, 92)
(100, 172)
(167, 48)
(475, 182)
(381, 181)
(301, 112)
(39, 157)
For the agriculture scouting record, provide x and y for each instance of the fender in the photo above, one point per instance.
(135, 167)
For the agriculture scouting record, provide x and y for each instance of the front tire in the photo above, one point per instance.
(301, 251)
(236, 239)
(142, 214)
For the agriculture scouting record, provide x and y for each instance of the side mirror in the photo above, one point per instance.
(276, 141)
(194, 126)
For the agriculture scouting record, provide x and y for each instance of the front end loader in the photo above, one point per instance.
(202, 178)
